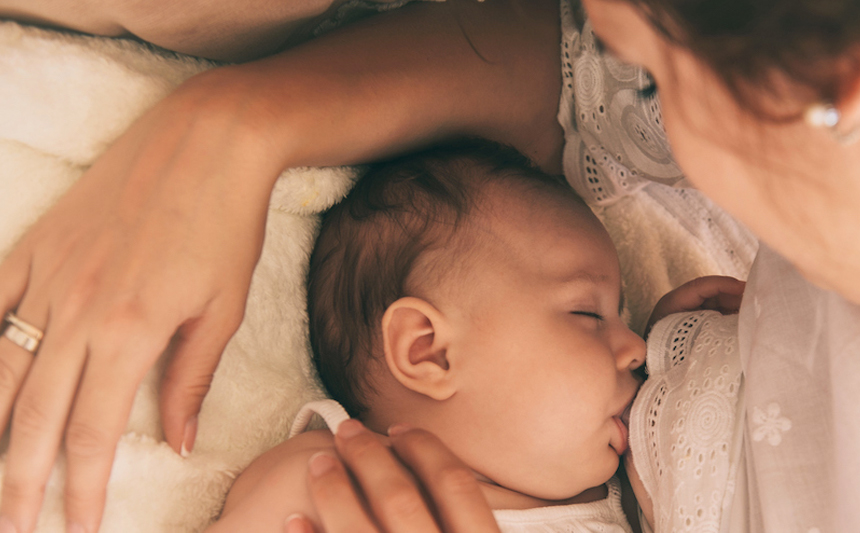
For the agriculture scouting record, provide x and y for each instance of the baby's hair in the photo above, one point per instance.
(370, 245)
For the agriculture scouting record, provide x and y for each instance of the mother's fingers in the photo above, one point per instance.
(98, 418)
(337, 503)
(189, 373)
(14, 360)
(17, 347)
(452, 486)
(37, 427)
(81, 387)
(14, 274)
(390, 490)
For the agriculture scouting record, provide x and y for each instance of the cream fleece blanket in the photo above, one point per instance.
(64, 98)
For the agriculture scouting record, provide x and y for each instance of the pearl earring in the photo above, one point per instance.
(828, 116)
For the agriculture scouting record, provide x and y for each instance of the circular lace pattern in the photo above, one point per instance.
(707, 419)
(691, 403)
(614, 138)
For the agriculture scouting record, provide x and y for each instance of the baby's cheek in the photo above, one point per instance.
(563, 469)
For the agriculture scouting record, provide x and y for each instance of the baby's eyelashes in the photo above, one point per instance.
(590, 314)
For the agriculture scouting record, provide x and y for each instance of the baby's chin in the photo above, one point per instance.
(546, 492)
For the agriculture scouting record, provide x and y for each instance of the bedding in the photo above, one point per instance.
(64, 97)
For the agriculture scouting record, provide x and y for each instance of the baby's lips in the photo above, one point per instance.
(621, 445)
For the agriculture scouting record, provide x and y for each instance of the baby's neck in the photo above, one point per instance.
(503, 498)
(499, 497)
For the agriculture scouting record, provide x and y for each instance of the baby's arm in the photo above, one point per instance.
(719, 293)
(274, 487)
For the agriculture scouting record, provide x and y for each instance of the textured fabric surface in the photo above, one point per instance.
(330, 411)
(614, 138)
(686, 426)
(800, 348)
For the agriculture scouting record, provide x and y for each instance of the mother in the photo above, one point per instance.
(158, 239)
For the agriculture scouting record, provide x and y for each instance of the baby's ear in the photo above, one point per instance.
(416, 341)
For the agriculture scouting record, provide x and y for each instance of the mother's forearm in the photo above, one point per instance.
(400, 80)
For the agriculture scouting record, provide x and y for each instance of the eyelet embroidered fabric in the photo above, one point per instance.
(615, 146)
(614, 138)
(686, 423)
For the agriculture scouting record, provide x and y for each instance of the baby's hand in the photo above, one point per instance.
(719, 293)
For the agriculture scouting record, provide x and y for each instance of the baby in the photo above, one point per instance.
(463, 291)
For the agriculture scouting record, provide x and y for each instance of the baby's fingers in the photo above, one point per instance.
(719, 293)
(725, 303)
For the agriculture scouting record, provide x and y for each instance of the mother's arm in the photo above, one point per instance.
(156, 243)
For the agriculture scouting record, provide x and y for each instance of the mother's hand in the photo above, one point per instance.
(154, 246)
(417, 486)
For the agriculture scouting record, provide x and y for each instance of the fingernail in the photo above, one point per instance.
(74, 528)
(349, 428)
(397, 429)
(188, 437)
(6, 525)
(296, 524)
(319, 464)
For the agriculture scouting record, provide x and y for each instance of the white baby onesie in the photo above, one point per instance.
(686, 425)
(603, 516)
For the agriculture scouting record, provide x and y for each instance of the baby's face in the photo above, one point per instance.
(546, 359)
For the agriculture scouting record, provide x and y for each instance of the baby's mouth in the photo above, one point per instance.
(620, 446)
(625, 415)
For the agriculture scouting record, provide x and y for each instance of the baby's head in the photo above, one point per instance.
(464, 291)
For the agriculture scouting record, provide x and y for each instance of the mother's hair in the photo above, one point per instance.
(811, 43)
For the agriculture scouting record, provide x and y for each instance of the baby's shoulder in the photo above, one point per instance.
(274, 486)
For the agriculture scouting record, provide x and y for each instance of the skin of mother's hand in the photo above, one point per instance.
(130, 260)
(386, 477)
(156, 243)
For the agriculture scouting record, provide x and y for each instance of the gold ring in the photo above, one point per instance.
(21, 333)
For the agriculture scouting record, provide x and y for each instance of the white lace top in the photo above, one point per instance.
(603, 516)
(615, 145)
(800, 349)
(686, 426)
(614, 138)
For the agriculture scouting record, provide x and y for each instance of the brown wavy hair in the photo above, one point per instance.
(811, 43)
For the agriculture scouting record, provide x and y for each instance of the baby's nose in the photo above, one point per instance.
(630, 354)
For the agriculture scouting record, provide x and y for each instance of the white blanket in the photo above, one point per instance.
(64, 98)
